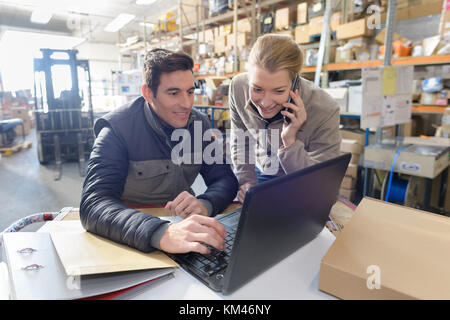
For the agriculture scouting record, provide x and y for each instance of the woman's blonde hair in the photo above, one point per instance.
(276, 52)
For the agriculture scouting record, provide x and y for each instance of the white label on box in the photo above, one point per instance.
(411, 167)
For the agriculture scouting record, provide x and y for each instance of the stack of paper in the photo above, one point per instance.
(76, 264)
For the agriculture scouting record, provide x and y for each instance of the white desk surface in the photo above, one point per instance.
(294, 278)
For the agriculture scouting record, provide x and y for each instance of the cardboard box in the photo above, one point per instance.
(416, 160)
(340, 95)
(201, 100)
(209, 36)
(244, 25)
(26, 128)
(352, 146)
(286, 32)
(302, 13)
(229, 67)
(433, 98)
(430, 45)
(352, 171)
(220, 43)
(355, 99)
(349, 194)
(427, 141)
(19, 112)
(316, 23)
(381, 37)
(284, 17)
(229, 42)
(191, 11)
(225, 29)
(348, 182)
(426, 8)
(212, 84)
(302, 34)
(388, 251)
(358, 135)
(354, 159)
(357, 28)
(244, 39)
(343, 55)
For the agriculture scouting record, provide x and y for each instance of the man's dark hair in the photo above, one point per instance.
(159, 60)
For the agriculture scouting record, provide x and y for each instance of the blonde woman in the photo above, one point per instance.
(270, 136)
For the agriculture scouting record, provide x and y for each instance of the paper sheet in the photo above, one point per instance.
(402, 109)
(388, 111)
(404, 79)
(371, 111)
(386, 96)
(93, 254)
(389, 81)
(371, 91)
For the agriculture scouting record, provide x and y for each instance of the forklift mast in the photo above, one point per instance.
(63, 108)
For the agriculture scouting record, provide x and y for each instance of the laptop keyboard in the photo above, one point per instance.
(216, 260)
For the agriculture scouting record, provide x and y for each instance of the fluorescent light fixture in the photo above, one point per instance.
(119, 22)
(145, 2)
(40, 16)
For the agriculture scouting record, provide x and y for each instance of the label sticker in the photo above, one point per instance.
(412, 167)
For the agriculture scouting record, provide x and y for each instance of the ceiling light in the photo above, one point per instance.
(145, 2)
(119, 22)
(146, 24)
(40, 16)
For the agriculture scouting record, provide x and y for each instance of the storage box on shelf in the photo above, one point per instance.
(285, 17)
(353, 146)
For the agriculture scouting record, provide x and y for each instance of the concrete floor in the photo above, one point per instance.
(26, 187)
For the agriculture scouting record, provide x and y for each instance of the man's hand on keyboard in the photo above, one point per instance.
(185, 204)
(187, 235)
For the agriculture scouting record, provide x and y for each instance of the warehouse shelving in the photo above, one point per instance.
(428, 109)
(429, 60)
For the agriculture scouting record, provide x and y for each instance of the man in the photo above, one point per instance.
(131, 165)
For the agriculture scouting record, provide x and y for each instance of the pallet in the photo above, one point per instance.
(10, 150)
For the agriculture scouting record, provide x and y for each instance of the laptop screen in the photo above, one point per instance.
(281, 215)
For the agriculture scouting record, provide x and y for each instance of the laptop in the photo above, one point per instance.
(277, 218)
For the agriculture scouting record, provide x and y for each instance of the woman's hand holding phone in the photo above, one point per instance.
(297, 116)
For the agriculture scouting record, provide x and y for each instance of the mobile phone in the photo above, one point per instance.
(293, 87)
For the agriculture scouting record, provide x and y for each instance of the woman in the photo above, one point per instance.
(263, 144)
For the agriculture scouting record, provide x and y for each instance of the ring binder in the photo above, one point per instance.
(26, 250)
(33, 266)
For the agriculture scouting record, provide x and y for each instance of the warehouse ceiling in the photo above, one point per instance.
(82, 18)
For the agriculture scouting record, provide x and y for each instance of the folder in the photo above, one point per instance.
(36, 272)
(84, 253)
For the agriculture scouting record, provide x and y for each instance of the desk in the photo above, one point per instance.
(295, 277)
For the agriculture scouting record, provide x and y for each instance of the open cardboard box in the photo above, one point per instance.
(418, 160)
(388, 251)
